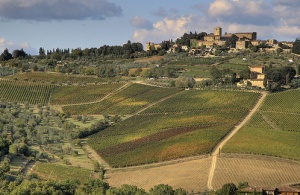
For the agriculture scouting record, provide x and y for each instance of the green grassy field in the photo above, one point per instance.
(274, 130)
(189, 123)
(201, 71)
(234, 67)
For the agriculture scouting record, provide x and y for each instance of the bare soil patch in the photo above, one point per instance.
(257, 170)
(192, 175)
(189, 175)
(153, 58)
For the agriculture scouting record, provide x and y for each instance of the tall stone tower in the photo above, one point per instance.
(218, 31)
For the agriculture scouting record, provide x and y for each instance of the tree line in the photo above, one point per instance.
(127, 50)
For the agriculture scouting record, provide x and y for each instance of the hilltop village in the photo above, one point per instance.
(222, 57)
(233, 41)
(213, 44)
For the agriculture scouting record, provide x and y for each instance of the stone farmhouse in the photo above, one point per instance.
(152, 45)
(257, 78)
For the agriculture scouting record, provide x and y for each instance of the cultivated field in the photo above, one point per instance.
(256, 170)
(188, 123)
(192, 175)
(123, 102)
(81, 94)
(59, 78)
(273, 130)
(23, 91)
(50, 171)
(175, 125)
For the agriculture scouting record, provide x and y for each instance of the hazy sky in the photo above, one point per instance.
(30, 24)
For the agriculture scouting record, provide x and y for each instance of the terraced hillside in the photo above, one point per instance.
(273, 130)
(188, 123)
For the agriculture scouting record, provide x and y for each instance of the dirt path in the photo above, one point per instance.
(218, 148)
(145, 83)
(190, 174)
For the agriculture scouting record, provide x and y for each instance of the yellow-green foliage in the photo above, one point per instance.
(50, 171)
(273, 130)
(126, 101)
(265, 141)
(287, 102)
(59, 78)
(81, 94)
(189, 123)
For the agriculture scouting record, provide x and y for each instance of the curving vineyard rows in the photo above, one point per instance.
(81, 94)
(21, 91)
(124, 102)
(256, 170)
(287, 101)
(52, 77)
(202, 101)
(273, 130)
(189, 123)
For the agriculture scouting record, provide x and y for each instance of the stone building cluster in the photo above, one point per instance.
(257, 78)
(150, 45)
(218, 38)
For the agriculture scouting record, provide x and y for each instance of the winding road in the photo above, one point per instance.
(218, 148)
